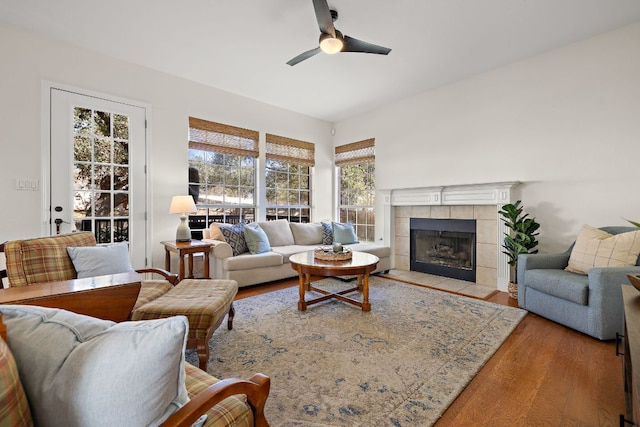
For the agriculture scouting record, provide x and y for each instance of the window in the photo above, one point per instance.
(288, 178)
(222, 173)
(355, 164)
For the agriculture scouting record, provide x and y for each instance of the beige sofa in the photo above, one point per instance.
(285, 240)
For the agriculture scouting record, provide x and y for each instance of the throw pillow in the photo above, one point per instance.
(14, 408)
(256, 239)
(327, 233)
(306, 234)
(597, 248)
(80, 371)
(234, 235)
(344, 233)
(278, 232)
(92, 261)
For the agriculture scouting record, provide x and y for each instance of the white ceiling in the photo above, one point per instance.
(242, 46)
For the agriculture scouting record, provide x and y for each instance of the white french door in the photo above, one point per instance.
(97, 170)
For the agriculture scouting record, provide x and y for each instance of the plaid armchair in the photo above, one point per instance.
(227, 402)
(45, 259)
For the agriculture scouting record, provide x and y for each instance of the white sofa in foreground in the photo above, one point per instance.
(285, 239)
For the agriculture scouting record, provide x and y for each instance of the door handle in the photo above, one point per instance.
(59, 221)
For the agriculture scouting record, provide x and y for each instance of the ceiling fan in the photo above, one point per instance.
(331, 40)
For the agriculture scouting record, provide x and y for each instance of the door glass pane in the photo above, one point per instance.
(82, 148)
(103, 150)
(120, 126)
(120, 178)
(102, 123)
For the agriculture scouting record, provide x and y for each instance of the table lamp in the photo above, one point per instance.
(183, 205)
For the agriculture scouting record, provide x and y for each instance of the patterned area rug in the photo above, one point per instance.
(402, 364)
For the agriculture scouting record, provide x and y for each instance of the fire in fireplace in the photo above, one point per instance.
(444, 247)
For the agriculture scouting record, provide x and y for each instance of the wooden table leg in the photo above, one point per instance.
(366, 306)
(206, 265)
(190, 266)
(181, 267)
(302, 304)
(167, 260)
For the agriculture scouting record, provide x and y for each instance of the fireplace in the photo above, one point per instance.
(444, 247)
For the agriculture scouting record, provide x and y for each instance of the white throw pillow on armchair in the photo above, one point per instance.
(81, 371)
(92, 261)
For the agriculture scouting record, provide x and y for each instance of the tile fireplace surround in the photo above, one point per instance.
(475, 201)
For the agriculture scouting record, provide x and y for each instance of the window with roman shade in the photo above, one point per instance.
(356, 166)
(288, 164)
(222, 172)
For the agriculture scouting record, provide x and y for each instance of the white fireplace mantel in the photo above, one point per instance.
(498, 193)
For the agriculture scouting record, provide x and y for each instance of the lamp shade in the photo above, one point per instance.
(182, 205)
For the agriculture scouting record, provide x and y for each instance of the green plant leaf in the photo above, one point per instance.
(637, 224)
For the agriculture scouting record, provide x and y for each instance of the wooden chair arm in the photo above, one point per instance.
(256, 389)
(3, 273)
(3, 329)
(171, 278)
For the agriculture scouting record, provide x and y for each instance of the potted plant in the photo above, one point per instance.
(521, 238)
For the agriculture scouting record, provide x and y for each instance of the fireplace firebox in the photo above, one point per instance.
(444, 247)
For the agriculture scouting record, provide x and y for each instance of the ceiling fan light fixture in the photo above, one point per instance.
(330, 44)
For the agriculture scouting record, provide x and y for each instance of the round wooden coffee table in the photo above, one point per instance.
(361, 265)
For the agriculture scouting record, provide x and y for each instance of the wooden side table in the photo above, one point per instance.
(186, 249)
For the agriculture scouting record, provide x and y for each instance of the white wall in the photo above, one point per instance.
(28, 60)
(566, 124)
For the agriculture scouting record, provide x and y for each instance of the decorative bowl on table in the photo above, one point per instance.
(635, 280)
(328, 254)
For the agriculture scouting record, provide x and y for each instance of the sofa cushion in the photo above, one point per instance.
(287, 251)
(344, 233)
(234, 235)
(80, 371)
(561, 284)
(256, 239)
(597, 248)
(327, 233)
(278, 232)
(371, 248)
(307, 234)
(92, 261)
(14, 408)
(248, 261)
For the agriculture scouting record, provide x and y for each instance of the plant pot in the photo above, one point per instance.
(513, 290)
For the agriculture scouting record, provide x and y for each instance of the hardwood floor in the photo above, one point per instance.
(543, 375)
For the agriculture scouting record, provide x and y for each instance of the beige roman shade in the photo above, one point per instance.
(356, 152)
(290, 150)
(211, 136)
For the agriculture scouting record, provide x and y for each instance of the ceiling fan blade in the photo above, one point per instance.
(305, 55)
(355, 45)
(323, 15)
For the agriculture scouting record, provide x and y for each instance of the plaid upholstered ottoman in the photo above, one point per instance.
(204, 302)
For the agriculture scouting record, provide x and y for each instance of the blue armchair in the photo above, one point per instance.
(591, 304)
